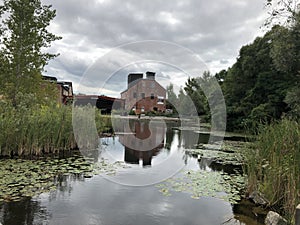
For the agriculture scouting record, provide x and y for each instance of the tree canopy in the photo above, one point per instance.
(24, 38)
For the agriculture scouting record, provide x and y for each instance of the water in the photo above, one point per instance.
(132, 196)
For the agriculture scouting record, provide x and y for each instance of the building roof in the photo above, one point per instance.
(137, 81)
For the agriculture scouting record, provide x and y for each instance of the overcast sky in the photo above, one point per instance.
(103, 40)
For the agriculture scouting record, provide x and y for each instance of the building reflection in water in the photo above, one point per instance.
(142, 141)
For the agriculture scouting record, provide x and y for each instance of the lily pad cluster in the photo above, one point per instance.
(21, 178)
(217, 184)
(231, 152)
(206, 184)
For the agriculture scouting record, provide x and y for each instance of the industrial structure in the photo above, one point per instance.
(144, 94)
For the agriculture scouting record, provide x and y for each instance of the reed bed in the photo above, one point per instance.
(35, 131)
(28, 131)
(273, 166)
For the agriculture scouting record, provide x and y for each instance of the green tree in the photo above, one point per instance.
(256, 85)
(23, 39)
(194, 89)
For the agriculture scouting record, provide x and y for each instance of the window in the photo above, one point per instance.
(152, 96)
(160, 100)
(152, 85)
(143, 95)
(134, 94)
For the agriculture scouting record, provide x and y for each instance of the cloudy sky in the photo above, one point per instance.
(104, 40)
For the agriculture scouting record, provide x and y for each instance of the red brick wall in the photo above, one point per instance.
(147, 87)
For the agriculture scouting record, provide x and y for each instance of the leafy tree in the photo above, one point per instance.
(220, 76)
(293, 100)
(282, 12)
(256, 85)
(23, 39)
(194, 89)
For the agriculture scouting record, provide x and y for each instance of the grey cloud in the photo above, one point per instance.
(224, 61)
(215, 30)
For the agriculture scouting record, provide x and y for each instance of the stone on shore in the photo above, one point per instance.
(258, 198)
(274, 218)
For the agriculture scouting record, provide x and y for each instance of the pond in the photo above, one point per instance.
(147, 173)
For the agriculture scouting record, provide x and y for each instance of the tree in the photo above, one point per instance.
(282, 12)
(24, 38)
(194, 89)
(293, 100)
(255, 87)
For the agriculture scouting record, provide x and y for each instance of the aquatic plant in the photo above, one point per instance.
(230, 153)
(34, 131)
(273, 165)
(27, 131)
(205, 184)
(21, 178)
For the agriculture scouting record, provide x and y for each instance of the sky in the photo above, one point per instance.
(104, 40)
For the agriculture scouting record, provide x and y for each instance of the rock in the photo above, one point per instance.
(297, 216)
(274, 218)
(258, 198)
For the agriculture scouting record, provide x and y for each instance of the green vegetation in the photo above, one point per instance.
(28, 131)
(34, 131)
(21, 178)
(228, 186)
(205, 184)
(262, 92)
(273, 165)
(24, 38)
(262, 85)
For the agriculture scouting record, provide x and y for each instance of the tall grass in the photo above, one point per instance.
(273, 166)
(34, 131)
(40, 129)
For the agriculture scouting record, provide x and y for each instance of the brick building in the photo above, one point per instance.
(65, 90)
(144, 94)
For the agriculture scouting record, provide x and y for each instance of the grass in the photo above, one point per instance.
(34, 131)
(28, 131)
(273, 166)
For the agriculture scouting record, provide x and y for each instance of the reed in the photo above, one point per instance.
(35, 131)
(43, 129)
(273, 165)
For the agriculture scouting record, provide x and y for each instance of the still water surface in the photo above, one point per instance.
(131, 196)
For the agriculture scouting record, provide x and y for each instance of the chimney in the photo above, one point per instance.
(133, 77)
(150, 75)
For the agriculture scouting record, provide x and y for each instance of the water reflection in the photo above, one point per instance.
(143, 137)
(98, 201)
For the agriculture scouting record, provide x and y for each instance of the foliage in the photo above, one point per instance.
(132, 112)
(27, 131)
(24, 38)
(273, 165)
(255, 87)
(282, 12)
(34, 131)
(293, 100)
(205, 184)
(21, 178)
